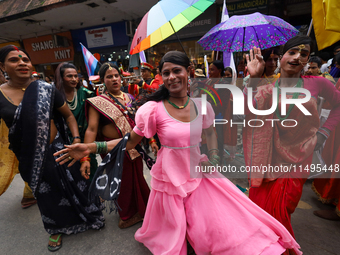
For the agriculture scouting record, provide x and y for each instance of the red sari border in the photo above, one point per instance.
(108, 109)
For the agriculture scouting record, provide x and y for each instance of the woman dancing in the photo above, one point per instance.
(184, 203)
(34, 112)
(291, 143)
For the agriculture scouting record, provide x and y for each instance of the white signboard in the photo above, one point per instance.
(99, 37)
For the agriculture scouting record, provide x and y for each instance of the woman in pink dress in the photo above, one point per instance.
(186, 203)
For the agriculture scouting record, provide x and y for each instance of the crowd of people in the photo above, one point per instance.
(51, 131)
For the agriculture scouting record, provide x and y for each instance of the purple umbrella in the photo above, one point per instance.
(243, 32)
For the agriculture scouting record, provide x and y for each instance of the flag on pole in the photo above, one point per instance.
(91, 63)
(331, 10)
(228, 58)
(142, 57)
(324, 38)
(225, 14)
(206, 65)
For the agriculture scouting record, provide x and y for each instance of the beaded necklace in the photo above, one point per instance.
(179, 107)
(295, 96)
(74, 102)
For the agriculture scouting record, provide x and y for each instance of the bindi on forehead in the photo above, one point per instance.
(16, 54)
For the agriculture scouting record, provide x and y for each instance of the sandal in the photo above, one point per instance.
(130, 222)
(57, 247)
(27, 202)
(327, 215)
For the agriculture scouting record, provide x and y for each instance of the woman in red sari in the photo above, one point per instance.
(288, 147)
(328, 188)
(109, 117)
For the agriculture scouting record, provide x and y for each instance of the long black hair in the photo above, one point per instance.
(59, 74)
(175, 57)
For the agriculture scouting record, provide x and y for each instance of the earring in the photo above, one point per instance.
(6, 75)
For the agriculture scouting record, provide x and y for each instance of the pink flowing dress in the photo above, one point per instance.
(211, 213)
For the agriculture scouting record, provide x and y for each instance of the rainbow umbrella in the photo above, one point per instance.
(164, 19)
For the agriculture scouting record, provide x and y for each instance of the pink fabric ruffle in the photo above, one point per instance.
(216, 218)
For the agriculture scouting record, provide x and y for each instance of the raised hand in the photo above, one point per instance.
(72, 153)
(255, 63)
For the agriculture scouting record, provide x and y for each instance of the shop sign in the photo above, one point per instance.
(99, 37)
(247, 6)
(44, 49)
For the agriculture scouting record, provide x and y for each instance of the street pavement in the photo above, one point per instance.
(22, 232)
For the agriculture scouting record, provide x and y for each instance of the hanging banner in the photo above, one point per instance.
(99, 37)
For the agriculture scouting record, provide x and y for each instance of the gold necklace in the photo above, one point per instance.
(23, 89)
(121, 95)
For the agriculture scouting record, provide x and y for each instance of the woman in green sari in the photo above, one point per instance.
(68, 83)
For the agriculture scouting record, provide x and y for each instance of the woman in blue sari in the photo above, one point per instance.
(35, 113)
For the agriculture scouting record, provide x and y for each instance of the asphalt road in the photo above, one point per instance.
(22, 232)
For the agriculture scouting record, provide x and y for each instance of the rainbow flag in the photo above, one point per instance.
(142, 57)
(91, 63)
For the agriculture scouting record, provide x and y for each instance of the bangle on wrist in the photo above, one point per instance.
(152, 141)
(101, 147)
(211, 150)
(84, 159)
(76, 137)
